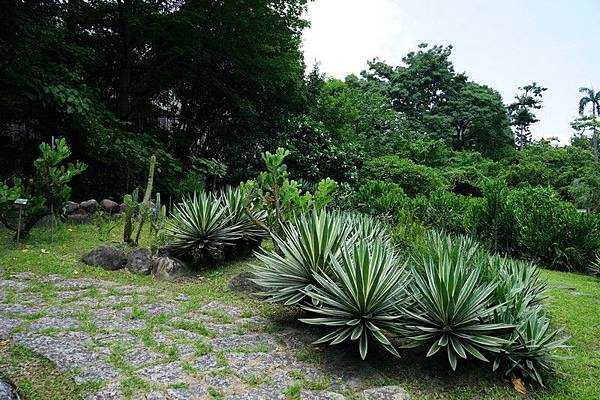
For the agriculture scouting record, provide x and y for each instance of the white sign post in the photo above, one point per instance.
(20, 203)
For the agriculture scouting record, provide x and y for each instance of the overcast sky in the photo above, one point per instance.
(504, 44)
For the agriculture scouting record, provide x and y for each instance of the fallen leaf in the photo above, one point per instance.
(519, 385)
(70, 230)
(44, 251)
(4, 342)
(24, 250)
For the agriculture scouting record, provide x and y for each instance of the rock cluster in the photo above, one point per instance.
(81, 213)
(138, 261)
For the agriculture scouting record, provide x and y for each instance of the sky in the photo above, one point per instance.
(503, 44)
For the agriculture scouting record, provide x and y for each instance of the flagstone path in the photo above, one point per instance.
(126, 341)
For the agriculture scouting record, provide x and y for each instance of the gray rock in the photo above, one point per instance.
(139, 261)
(191, 393)
(99, 373)
(71, 207)
(320, 395)
(236, 341)
(385, 393)
(140, 356)
(243, 283)
(220, 308)
(261, 393)
(165, 374)
(122, 207)
(54, 323)
(205, 363)
(169, 268)
(89, 206)
(110, 206)
(109, 258)
(8, 392)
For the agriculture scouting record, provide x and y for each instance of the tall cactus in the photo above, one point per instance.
(145, 206)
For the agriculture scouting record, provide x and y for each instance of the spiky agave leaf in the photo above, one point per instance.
(529, 353)
(306, 247)
(364, 226)
(360, 297)
(451, 308)
(236, 204)
(200, 224)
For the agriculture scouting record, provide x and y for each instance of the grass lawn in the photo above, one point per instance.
(573, 300)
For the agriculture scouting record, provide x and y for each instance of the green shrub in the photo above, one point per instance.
(381, 199)
(413, 178)
(49, 188)
(446, 211)
(361, 297)
(552, 231)
(493, 221)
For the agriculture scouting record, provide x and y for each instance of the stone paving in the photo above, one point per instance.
(144, 343)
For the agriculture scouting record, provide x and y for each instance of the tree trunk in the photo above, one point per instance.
(126, 61)
(594, 133)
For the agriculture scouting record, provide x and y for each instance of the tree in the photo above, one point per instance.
(479, 120)
(591, 98)
(521, 112)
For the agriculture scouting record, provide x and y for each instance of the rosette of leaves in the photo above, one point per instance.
(305, 248)
(360, 297)
(452, 308)
(366, 227)
(200, 226)
(520, 291)
(237, 209)
(529, 353)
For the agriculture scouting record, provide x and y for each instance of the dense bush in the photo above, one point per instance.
(381, 199)
(413, 178)
(552, 231)
(446, 211)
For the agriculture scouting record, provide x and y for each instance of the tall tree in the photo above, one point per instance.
(591, 98)
(522, 114)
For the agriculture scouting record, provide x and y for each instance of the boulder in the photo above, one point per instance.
(169, 268)
(243, 283)
(122, 207)
(139, 261)
(109, 258)
(110, 206)
(71, 207)
(89, 206)
(8, 391)
(385, 393)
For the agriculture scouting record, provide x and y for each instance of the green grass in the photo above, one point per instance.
(37, 378)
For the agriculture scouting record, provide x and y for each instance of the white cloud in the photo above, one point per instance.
(345, 34)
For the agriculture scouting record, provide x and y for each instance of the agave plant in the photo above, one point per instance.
(529, 351)
(439, 246)
(235, 204)
(451, 306)
(519, 287)
(367, 227)
(307, 247)
(199, 226)
(360, 297)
